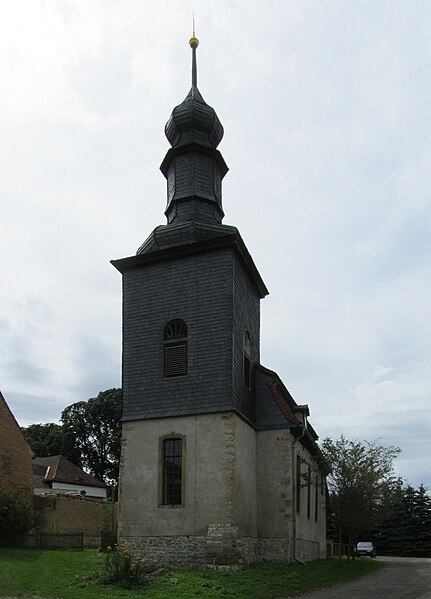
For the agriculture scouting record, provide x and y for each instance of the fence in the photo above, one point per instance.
(339, 549)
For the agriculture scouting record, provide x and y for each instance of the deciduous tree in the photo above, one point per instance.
(88, 436)
(94, 426)
(360, 479)
(50, 439)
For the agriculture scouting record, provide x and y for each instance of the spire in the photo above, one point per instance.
(194, 43)
(193, 167)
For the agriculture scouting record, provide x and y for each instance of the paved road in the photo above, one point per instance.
(401, 578)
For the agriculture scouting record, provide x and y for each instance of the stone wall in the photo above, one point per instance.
(219, 547)
(15, 454)
(306, 550)
(69, 514)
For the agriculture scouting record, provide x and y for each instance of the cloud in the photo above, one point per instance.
(326, 108)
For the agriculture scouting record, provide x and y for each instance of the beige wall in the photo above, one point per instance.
(307, 528)
(61, 514)
(238, 483)
(15, 454)
(274, 483)
(220, 479)
(277, 515)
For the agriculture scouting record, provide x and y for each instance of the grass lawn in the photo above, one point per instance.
(45, 574)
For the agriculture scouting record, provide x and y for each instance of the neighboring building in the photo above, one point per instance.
(219, 464)
(15, 454)
(55, 474)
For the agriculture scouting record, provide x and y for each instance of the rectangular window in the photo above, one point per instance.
(308, 492)
(316, 498)
(298, 484)
(172, 471)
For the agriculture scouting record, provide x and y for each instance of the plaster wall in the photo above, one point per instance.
(244, 488)
(219, 476)
(274, 452)
(274, 490)
(309, 531)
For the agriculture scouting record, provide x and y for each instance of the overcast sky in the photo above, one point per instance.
(326, 106)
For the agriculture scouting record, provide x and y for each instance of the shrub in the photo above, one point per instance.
(16, 517)
(121, 567)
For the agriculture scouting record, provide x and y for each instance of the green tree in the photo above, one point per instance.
(50, 439)
(16, 517)
(361, 478)
(422, 522)
(94, 427)
(407, 528)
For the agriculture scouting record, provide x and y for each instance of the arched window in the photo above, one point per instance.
(246, 361)
(172, 471)
(175, 348)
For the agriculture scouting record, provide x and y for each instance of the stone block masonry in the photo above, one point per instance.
(221, 546)
(68, 514)
(15, 455)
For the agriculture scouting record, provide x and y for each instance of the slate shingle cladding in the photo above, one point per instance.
(213, 293)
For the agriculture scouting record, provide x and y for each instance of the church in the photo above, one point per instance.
(219, 463)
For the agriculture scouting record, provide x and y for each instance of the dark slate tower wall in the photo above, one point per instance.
(212, 293)
(195, 269)
(246, 317)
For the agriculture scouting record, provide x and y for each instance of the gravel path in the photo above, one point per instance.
(401, 578)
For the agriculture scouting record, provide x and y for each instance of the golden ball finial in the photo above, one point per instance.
(193, 42)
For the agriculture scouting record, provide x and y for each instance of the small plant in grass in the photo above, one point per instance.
(122, 567)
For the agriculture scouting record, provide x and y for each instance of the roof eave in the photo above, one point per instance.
(233, 240)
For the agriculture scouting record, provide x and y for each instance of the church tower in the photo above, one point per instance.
(191, 326)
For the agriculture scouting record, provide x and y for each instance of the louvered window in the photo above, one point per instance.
(175, 348)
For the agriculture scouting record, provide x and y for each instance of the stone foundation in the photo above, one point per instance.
(306, 551)
(273, 550)
(175, 551)
(219, 548)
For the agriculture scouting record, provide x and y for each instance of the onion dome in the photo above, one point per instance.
(194, 121)
(193, 166)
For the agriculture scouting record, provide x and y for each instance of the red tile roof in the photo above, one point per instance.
(58, 469)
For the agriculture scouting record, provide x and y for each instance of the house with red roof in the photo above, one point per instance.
(55, 474)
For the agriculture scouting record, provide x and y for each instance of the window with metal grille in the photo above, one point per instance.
(246, 361)
(172, 471)
(175, 348)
